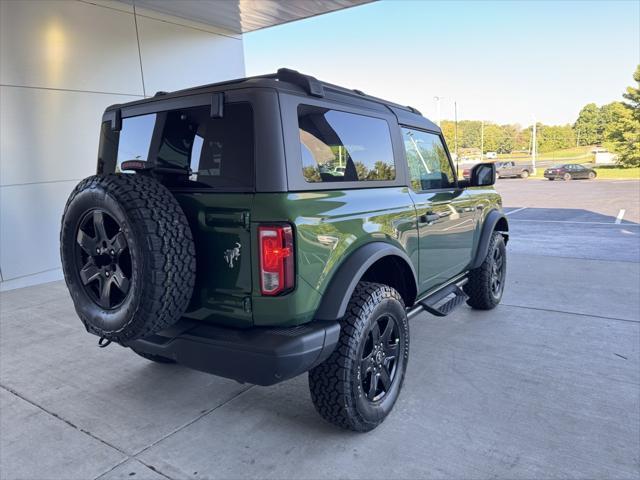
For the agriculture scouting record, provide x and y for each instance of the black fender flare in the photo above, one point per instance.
(490, 222)
(341, 286)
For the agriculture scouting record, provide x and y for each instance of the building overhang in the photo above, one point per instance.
(242, 16)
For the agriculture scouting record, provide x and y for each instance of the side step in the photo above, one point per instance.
(445, 301)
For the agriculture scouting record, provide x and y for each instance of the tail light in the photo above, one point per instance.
(277, 256)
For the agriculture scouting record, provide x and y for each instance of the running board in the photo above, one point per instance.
(445, 301)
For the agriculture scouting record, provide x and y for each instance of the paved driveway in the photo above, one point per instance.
(547, 385)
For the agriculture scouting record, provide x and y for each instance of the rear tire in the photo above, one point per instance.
(486, 283)
(358, 385)
(566, 177)
(524, 174)
(592, 175)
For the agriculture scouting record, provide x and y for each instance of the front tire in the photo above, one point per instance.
(358, 385)
(524, 174)
(486, 283)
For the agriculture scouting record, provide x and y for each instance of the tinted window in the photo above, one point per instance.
(344, 147)
(215, 152)
(429, 165)
(135, 138)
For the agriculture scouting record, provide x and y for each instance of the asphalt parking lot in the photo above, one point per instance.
(545, 386)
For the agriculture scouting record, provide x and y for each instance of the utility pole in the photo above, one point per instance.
(481, 140)
(455, 135)
(534, 147)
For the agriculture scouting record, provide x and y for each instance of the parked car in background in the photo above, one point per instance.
(491, 155)
(569, 171)
(511, 169)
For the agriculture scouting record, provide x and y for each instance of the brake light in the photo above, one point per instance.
(277, 273)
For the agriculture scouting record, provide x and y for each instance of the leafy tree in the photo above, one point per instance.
(586, 126)
(633, 95)
(555, 137)
(449, 131)
(622, 132)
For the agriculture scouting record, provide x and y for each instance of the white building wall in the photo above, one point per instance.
(62, 62)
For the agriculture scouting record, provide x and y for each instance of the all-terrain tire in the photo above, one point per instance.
(336, 384)
(154, 358)
(158, 246)
(480, 287)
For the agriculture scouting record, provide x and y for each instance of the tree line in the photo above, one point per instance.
(615, 126)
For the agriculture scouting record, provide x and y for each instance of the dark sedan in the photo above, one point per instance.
(569, 171)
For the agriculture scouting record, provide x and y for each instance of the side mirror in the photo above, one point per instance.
(483, 175)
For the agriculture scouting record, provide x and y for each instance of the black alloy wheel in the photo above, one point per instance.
(497, 273)
(358, 385)
(103, 259)
(486, 282)
(379, 358)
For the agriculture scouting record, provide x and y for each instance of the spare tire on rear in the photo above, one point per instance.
(127, 254)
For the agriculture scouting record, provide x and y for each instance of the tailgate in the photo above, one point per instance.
(220, 226)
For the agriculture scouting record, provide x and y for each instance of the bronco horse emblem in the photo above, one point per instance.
(232, 254)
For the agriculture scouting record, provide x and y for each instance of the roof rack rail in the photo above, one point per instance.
(414, 110)
(310, 84)
(359, 92)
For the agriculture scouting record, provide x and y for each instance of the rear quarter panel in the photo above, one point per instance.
(329, 225)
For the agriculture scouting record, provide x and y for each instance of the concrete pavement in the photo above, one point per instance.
(547, 385)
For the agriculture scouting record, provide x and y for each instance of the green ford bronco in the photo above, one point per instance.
(265, 227)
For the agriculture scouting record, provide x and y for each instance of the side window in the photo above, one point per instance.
(429, 166)
(218, 151)
(344, 147)
(135, 138)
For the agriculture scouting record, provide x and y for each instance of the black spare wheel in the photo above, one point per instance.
(127, 254)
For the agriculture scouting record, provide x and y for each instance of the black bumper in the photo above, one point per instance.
(260, 355)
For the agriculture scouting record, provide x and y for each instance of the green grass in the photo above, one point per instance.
(606, 173)
(618, 173)
(567, 155)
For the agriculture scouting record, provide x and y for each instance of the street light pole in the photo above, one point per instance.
(534, 149)
(437, 100)
(481, 140)
(455, 135)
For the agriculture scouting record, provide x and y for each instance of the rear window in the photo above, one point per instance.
(218, 152)
(344, 147)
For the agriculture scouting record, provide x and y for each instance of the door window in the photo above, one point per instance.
(344, 147)
(429, 166)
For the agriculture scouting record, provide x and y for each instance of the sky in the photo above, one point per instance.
(503, 61)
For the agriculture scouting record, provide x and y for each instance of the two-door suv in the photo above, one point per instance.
(261, 228)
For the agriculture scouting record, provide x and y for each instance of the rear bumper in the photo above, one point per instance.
(260, 355)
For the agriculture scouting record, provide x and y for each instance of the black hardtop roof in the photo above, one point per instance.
(292, 81)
